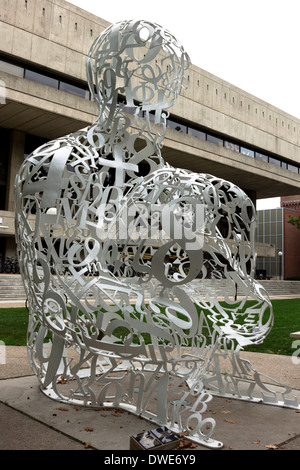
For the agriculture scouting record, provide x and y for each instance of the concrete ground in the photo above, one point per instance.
(32, 421)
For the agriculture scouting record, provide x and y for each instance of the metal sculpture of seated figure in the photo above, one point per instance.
(116, 248)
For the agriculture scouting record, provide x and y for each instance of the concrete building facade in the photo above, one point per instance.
(214, 127)
(270, 231)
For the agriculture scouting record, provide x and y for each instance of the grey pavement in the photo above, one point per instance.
(32, 421)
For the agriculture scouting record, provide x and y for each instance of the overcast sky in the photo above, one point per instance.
(253, 45)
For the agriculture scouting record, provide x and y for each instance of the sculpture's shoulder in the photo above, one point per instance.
(61, 151)
(46, 165)
(50, 148)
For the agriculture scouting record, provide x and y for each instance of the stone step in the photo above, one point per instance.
(11, 282)
(11, 287)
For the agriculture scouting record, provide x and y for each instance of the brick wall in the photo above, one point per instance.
(291, 259)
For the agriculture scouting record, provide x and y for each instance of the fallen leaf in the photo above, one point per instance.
(60, 408)
(184, 443)
(89, 429)
(182, 434)
(62, 380)
(231, 421)
(119, 410)
(256, 442)
(226, 412)
(272, 446)
(116, 414)
(87, 445)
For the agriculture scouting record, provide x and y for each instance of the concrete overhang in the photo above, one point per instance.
(179, 151)
(267, 180)
(49, 113)
(37, 121)
(41, 110)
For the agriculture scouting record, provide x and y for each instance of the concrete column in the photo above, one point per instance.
(16, 158)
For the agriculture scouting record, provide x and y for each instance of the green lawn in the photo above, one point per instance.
(13, 325)
(286, 321)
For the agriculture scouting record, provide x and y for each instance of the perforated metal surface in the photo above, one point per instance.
(110, 238)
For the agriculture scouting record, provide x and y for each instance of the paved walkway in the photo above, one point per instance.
(33, 421)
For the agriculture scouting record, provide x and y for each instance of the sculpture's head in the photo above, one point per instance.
(140, 61)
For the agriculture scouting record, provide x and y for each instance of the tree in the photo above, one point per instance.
(294, 221)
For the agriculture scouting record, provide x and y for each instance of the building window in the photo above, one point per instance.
(270, 232)
(293, 168)
(232, 146)
(274, 161)
(41, 78)
(215, 140)
(12, 69)
(73, 89)
(177, 126)
(247, 152)
(196, 133)
(261, 156)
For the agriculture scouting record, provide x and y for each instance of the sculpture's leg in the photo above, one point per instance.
(146, 390)
(229, 375)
